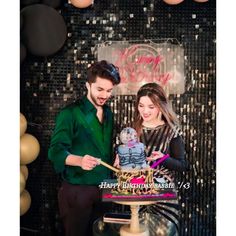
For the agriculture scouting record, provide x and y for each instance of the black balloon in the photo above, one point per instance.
(44, 31)
(52, 3)
(21, 22)
(22, 52)
(28, 2)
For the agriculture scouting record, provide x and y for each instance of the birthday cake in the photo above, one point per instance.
(136, 180)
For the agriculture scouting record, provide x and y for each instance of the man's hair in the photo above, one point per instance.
(104, 70)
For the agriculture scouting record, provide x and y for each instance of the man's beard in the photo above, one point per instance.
(96, 101)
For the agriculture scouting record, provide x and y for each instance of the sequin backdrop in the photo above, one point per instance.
(47, 84)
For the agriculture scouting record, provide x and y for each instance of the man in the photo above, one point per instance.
(83, 133)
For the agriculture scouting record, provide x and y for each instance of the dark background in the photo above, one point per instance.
(44, 89)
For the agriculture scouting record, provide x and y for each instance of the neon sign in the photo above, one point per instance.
(143, 63)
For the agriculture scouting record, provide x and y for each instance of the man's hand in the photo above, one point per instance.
(88, 162)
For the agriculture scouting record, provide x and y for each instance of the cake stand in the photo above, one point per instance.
(135, 228)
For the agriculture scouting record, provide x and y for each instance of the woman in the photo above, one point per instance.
(157, 127)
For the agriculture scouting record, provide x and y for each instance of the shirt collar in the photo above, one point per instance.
(89, 107)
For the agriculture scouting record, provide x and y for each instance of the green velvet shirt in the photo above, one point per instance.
(78, 131)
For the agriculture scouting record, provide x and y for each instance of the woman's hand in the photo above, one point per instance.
(155, 155)
(117, 162)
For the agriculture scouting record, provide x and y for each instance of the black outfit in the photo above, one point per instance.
(80, 206)
(168, 140)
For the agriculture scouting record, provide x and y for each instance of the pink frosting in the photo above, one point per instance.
(137, 181)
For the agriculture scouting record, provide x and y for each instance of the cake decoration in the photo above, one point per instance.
(131, 152)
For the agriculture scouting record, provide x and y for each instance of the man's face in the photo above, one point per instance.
(100, 91)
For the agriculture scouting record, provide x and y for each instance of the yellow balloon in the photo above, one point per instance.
(23, 124)
(25, 202)
(29, 149)
(173, 2)
(81, 3)
(22, 182)
(24, 171)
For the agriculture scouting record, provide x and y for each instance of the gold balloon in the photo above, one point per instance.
(24, 171)
(81, 3)
(22, 182)
(29, 149)
(25, 202)
(23, 124)
(173, 2)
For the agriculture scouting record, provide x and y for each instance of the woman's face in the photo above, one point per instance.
(148, 111)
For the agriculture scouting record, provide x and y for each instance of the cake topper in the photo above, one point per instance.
(131, 152)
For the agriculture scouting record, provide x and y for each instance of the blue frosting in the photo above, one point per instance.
(133, 157)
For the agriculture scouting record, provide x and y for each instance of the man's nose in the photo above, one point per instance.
(104, 94)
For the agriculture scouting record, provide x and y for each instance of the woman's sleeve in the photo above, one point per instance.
(177, 160)
(61, 140)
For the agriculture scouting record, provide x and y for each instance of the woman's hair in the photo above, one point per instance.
(105, 70)
(158, 97)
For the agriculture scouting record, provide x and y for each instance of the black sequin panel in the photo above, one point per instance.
(47, 84)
